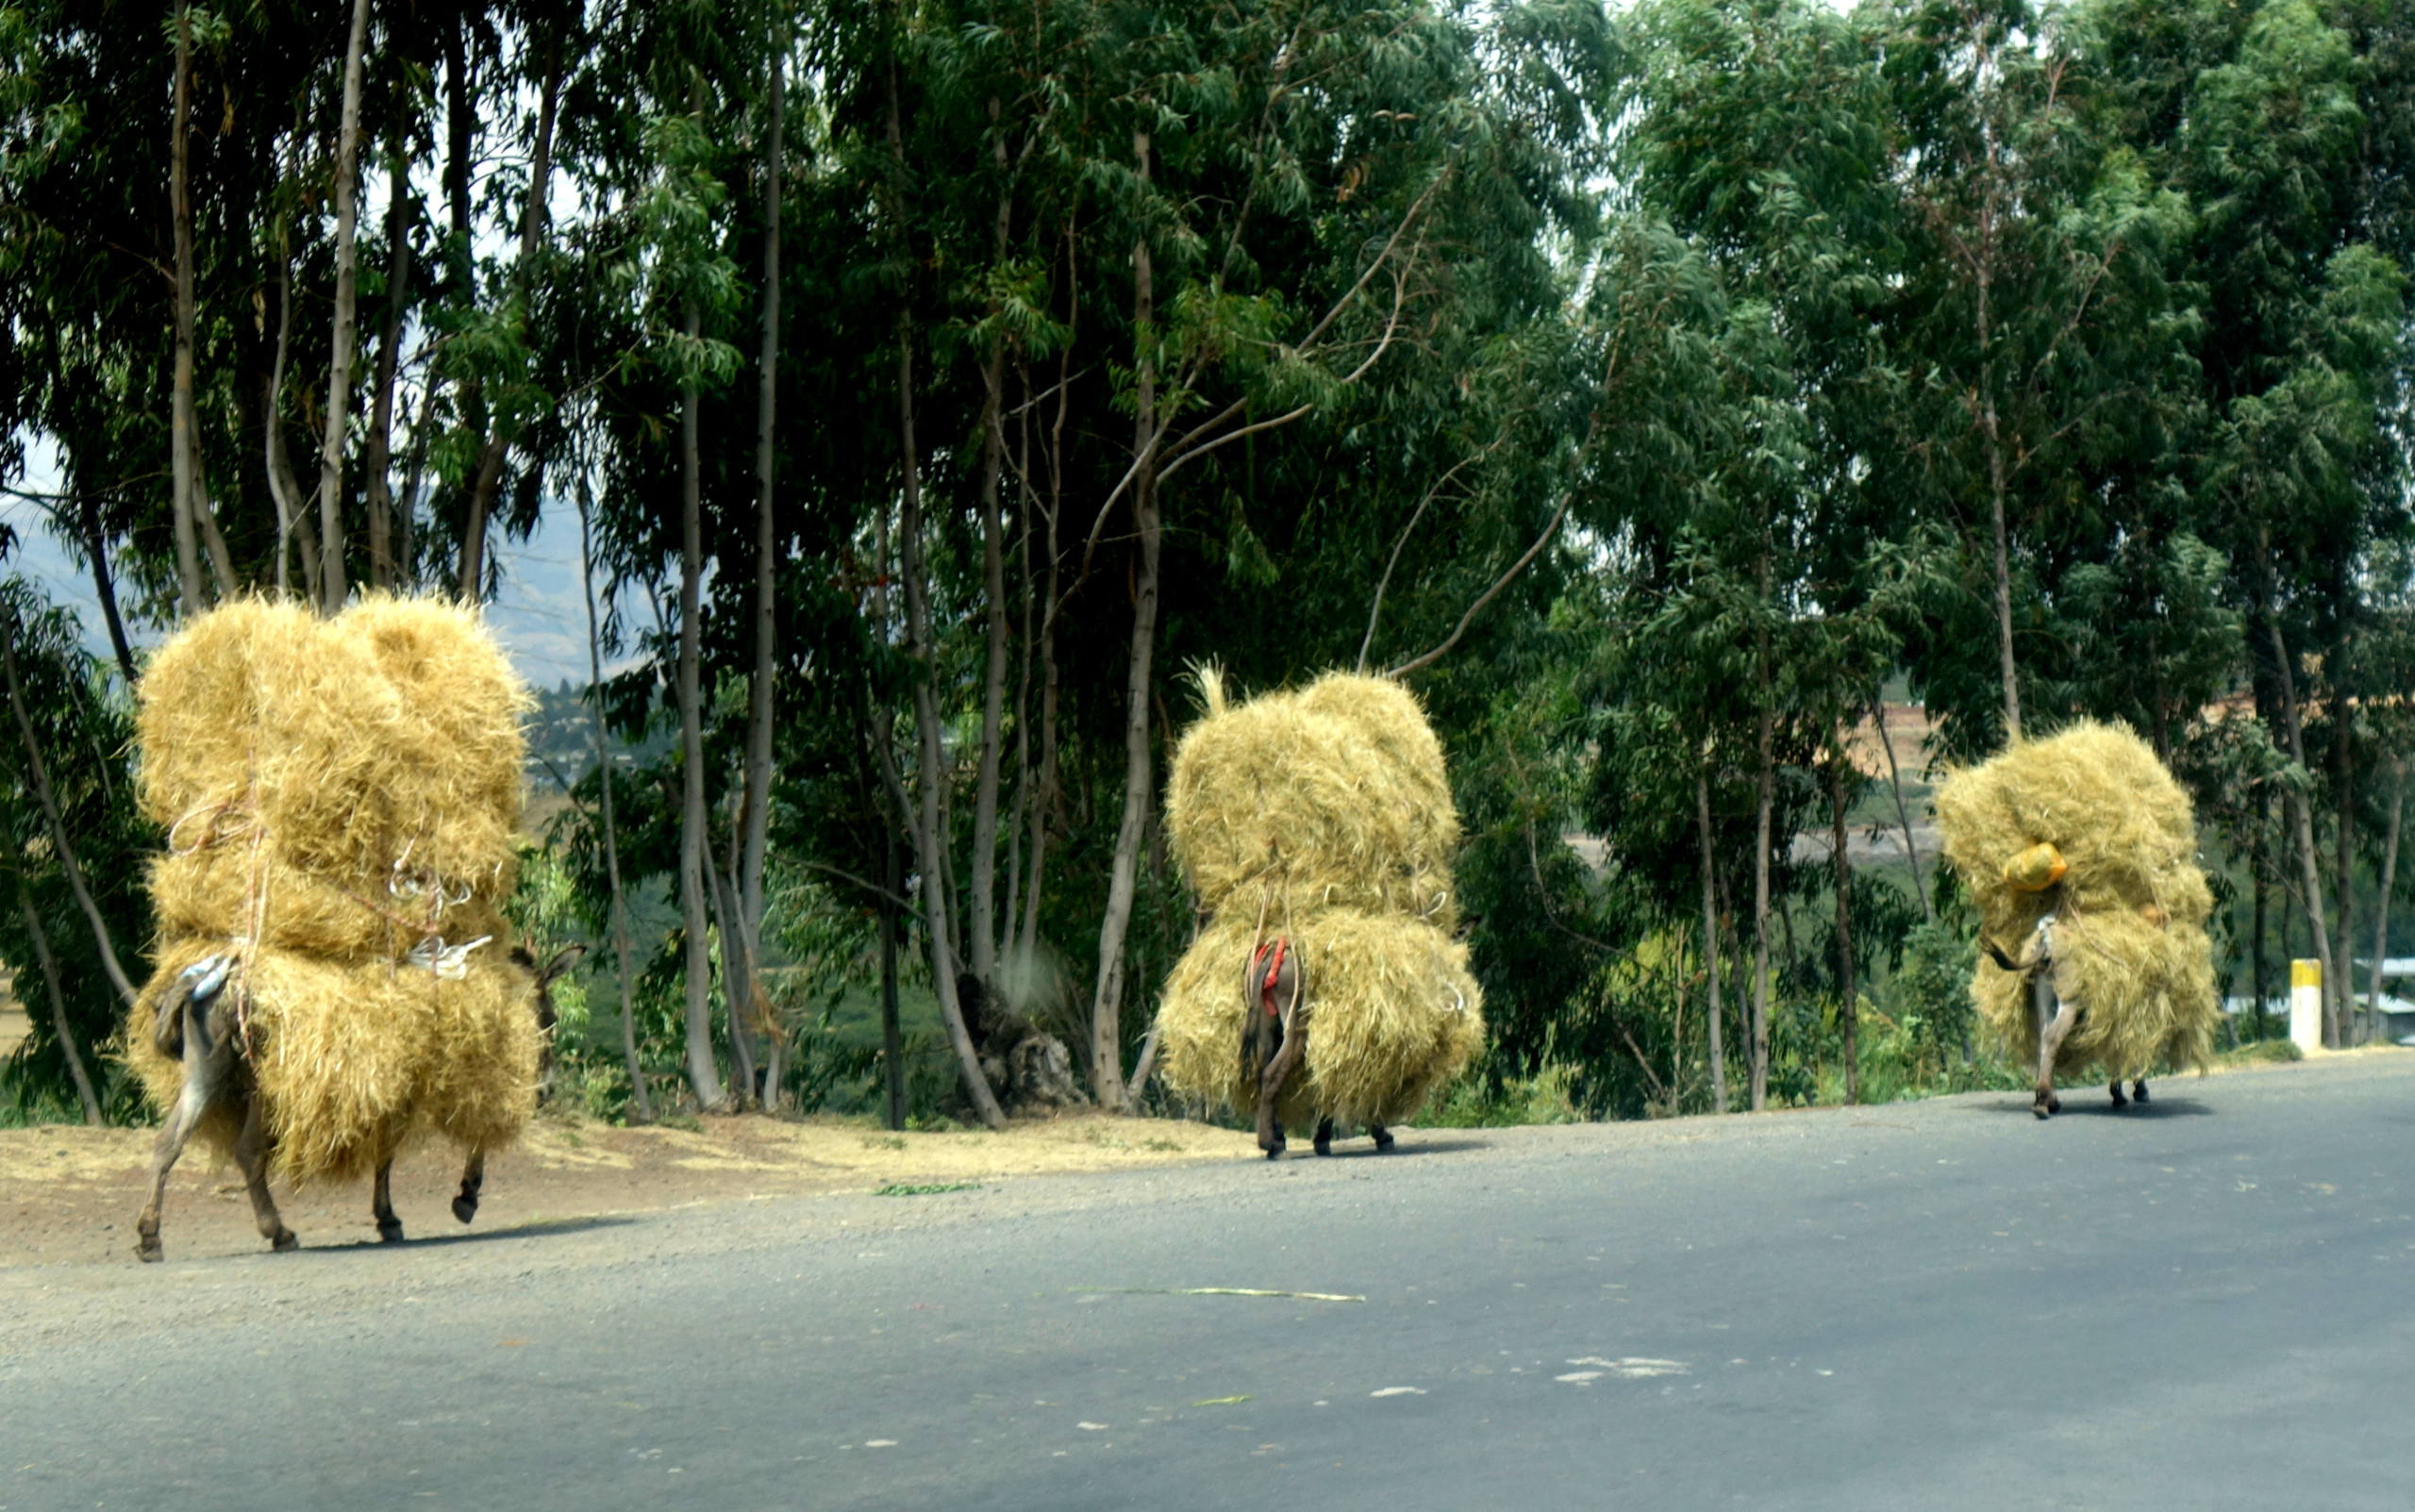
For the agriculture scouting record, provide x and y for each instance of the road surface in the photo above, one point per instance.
(2203, 1304)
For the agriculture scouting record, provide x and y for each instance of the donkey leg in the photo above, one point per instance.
(2139, 1090)
(381, 1203)
(1270, 1128)
(1383, 1137)
(2118, 1101)
(473, 1176)
(182, 1119)
(251, 1157)
(1324, 1137)
(1270, 1081)
(2044, 1103)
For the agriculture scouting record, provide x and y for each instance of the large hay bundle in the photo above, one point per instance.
(1324, 817)
(341, 1054)
(1396, 1015)
(382, 748)
(257, 713)
(2132, 903)
(452, 781)
(340, 794)
(1331, 797)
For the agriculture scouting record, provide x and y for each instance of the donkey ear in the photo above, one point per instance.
(563, 961)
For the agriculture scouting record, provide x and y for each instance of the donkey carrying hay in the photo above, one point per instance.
(343, 804)
(2080, 851)
(1317, 828)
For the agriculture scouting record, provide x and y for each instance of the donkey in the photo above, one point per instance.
(2053, 1003)
(200, 1023)
(1274, 1039)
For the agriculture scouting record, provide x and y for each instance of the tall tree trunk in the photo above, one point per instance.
(2300, 814)
(637, 1098)
(1848, 1005)
(104, 587)
(2343, 786)
(755, 817)
(2002, 573)
(893, 1040)
(283, 487)
(704, 1075)
(181, 437)
(222, 564)
(379, 462)
(2260, 979)
(982, 904)
(1764, 795)
(1903, 815)
(737, 983)
(38, 777)
(331, 582)
(1710, 939)
(925, 818)
(489, 477)
(1107, 1005)
(59, 1025)
(1043, 808)
(2388, 880)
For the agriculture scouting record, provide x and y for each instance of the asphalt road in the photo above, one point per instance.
(2204, 1305)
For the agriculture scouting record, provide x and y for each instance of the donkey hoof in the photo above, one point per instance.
(465, 1209)
(1274, 1152)
(283, 1241)
(391, 1231)
(1383, 1140)
(147, 1250)
(2138, 1092)
(1325, 1144)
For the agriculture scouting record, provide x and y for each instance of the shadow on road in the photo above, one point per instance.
(537, 1228)
(2077, 1104)
(1361, 1150)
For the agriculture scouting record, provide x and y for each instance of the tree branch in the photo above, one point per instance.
(1491, 593)
(39, 775)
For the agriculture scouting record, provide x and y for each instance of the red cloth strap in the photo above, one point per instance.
(1271, 955)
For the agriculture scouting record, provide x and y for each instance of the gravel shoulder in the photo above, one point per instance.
(68, 1194)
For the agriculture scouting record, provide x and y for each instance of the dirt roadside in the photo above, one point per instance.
(68, 1195)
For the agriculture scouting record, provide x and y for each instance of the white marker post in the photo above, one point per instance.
(2306, 1004)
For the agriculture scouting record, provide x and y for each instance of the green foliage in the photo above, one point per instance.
(1673, 364)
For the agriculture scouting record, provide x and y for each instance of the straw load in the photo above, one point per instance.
(2087, 828)
(341, 799)
(1320, 819)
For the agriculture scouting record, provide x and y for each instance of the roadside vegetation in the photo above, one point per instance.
(1725, 414)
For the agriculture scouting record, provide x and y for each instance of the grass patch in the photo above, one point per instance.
(2261, 1052)
(927, 1189)
(884, 1142)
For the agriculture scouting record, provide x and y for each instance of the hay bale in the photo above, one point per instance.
(1332, 797)
(450, 776)
(1396, 1014)
(2158, 980)
(384, 742)
(2125, 830)
(352, 1058)
(258, 712)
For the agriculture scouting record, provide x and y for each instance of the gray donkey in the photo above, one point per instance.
(199, 1021)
